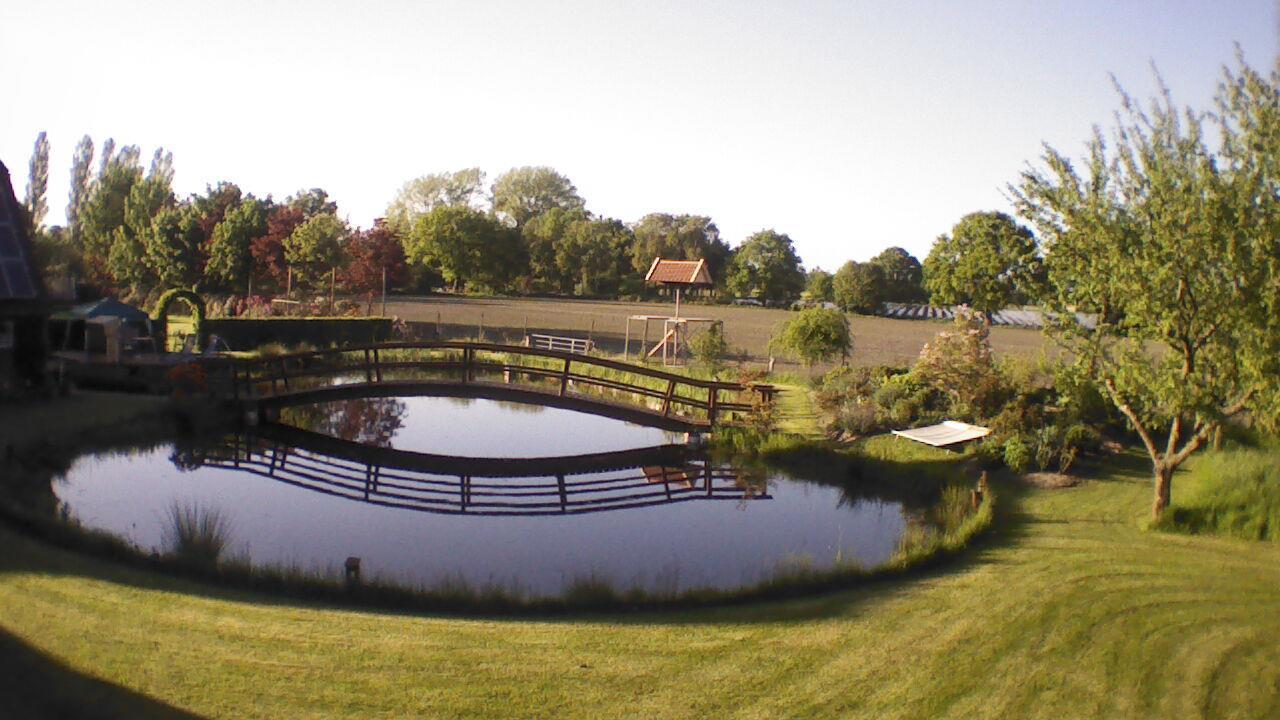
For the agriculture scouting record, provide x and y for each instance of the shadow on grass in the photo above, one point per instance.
(34, 685)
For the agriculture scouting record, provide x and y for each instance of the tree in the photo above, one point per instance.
(127, 259)
(174, 247)
(162, 166)
(312, 202)
(679, 237)
(1174, 248)
(766, 267)
(814, 335)
(267, 250)
(424, 194)
(818, 286)
(903, 276)
(542, 237)
(104, 211)
(228, 247)
(988, 262)
(594, 254)
(466, 246)
(858, 287)
(38, 183)
(81, 185)
(316, 247)
(522, 193)
(370, 253)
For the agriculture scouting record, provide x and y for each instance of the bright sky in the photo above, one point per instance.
(850, 126)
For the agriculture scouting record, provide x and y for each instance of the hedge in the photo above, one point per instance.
(249, 333)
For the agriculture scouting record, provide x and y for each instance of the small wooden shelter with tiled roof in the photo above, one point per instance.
(679, 273)
(676, 274)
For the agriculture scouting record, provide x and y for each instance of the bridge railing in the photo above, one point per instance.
(543, 370)
(554, 494)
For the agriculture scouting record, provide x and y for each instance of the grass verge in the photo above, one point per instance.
(1233, 492)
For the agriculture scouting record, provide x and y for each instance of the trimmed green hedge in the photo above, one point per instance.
(249, 333)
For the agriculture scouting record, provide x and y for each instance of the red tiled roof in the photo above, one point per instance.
(678, 272)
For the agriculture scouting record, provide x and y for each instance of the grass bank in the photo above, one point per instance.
(1233, 493)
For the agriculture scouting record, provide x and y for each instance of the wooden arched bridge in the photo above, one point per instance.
(600, 386)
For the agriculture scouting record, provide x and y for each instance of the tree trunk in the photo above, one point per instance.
(1164, 489)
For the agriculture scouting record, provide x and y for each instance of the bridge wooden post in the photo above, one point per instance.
(368, 366)
(564, 377)
(666, 401)
(284, 374)
(711, 405)
(377, 366)
(466, 365)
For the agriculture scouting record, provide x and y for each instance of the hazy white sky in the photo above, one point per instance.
(851, 126)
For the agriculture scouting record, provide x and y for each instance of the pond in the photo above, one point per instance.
(664, 523)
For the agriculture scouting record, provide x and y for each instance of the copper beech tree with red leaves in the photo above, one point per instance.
(371, 252)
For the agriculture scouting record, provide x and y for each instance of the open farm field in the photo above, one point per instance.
(876, 340)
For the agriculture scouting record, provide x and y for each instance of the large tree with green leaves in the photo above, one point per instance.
(818, 287)
(858, 287)
(521, 194)
(127, 258)
(466, 246)
(104, 211)
(1174, 245)
(679, 237)
(542, 237)
(424, 194)
(988, 262)
(766, 267)
(174, 247)
(316, 248)
(228, 265)
(903, 276)
(595, 255)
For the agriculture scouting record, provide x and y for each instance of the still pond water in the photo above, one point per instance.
(661, 527)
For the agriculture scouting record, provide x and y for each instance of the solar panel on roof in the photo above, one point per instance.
(17, 283)
(8, 243)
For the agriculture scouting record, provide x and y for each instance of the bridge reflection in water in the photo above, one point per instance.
(481, 486)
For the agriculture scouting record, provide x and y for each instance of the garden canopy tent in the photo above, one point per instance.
(104, 308)
(948, 432)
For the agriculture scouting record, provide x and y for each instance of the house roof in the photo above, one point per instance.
(679, 272)
(106, 307)
(18, 279)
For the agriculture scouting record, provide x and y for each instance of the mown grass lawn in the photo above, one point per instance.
(1067, 609)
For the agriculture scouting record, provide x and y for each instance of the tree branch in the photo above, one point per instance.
(1128, 411)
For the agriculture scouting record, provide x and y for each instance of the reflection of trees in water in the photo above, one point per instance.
(188, 456)
(526, 408)
(369, 421)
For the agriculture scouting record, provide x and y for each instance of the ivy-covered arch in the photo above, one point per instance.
(192, 299)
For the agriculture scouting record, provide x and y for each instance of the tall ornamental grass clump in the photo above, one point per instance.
(197, 535)
(1234, 492)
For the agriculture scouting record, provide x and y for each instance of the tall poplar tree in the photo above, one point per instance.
(38, 183)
